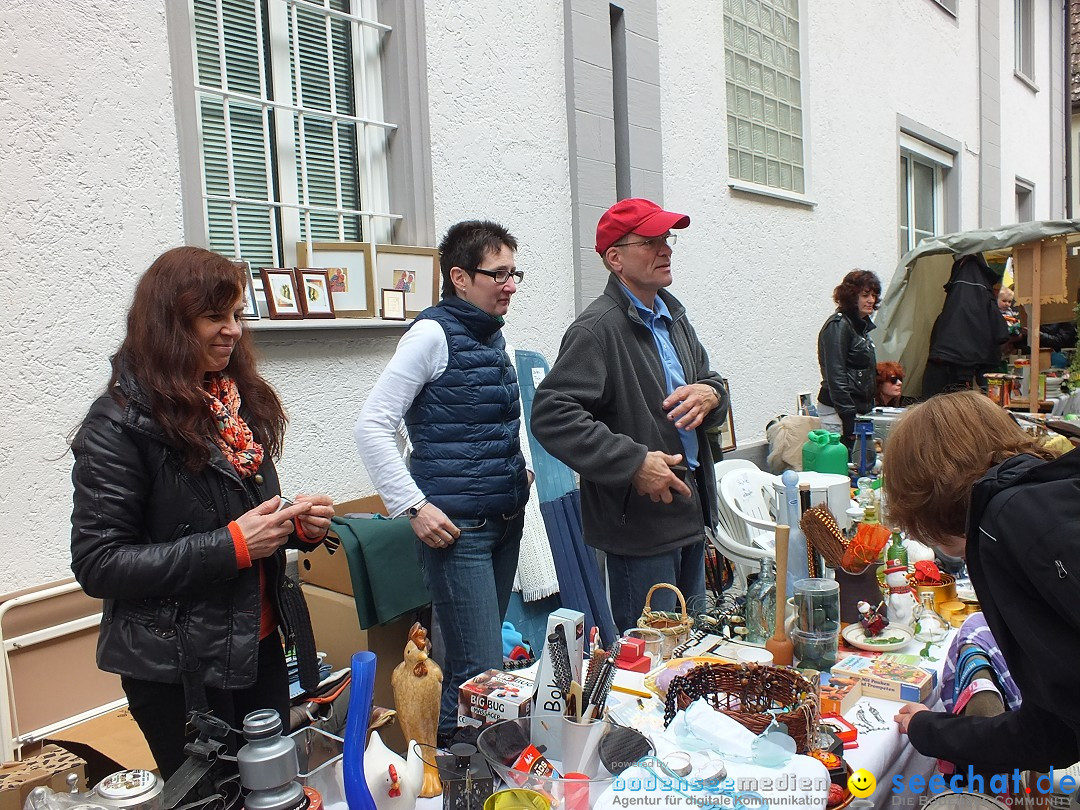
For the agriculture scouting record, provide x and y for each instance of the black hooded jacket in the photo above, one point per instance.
(1023, 554)
(151, 539)
(970, 330)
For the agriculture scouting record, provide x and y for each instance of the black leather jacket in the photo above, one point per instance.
(848, 367)
(150, 538)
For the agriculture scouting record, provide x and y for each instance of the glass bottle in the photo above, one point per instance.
(896, 552)
(929, 625)
(761, 605)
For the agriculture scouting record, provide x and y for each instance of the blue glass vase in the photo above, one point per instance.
(356, 727)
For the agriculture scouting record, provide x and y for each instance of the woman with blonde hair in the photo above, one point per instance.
(961, 475)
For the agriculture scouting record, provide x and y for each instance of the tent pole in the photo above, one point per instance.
(1034, 324)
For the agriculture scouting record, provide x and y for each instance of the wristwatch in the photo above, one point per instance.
(414, 510)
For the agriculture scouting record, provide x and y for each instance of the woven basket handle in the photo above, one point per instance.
(678, 593)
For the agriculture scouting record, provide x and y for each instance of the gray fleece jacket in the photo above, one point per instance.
(599, 411)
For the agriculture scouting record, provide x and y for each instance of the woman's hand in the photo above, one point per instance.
(433, 527)
(266, 528)
(903, 717)
(316, 521)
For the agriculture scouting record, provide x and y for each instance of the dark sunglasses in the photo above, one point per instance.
(895, 380)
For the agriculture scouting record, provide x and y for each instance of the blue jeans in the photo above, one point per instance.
(470, 583)
(629, 580)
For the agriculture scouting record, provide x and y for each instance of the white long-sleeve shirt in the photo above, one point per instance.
(421, 357)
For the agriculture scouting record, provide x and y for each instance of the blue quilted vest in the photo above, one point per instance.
(464, 425)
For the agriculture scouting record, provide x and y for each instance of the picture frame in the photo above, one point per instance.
(350, 273)
(723, 437)
(313, 285)
(282, 298)
(805, 405)
(251, 303)
(414, 270)
(393, 305)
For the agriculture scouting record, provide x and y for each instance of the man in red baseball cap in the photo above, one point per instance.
(626, 405)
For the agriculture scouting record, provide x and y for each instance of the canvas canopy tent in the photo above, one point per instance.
(916, 293)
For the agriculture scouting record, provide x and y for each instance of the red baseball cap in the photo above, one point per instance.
(638, 216)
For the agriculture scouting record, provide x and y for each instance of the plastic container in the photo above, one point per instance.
(817, 605)
(815, 650)
(502, 742)
(823, 453)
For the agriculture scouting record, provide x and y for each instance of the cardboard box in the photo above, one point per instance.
(889, 676)
(108, 743)
(330, 569)
(50, 768)
(838, 693)
(550, 701)
(494, 695)
(338, 634)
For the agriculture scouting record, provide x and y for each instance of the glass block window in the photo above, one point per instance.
(289, 123)
(764, 93)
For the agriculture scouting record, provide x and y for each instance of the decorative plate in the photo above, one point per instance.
(892, 638)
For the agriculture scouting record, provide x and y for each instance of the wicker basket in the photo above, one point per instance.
(674, 627)
(752, 695)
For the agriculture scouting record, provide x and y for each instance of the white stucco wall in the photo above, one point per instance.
(91, 194)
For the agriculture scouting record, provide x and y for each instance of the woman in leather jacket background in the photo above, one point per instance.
(177, 522)
(846, 355)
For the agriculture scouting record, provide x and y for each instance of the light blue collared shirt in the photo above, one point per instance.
(658, 321)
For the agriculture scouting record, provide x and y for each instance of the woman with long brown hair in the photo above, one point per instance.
(961, 475)
(178, 523)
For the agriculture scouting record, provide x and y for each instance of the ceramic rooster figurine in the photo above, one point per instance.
(417, 683)
(394, 782)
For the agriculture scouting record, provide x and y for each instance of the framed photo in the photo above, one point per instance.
(316, 300)
(724, 436)
(349, 272)
(805, 405)
(413, 270)
(282, 300)
(393, 305)
(251, 303)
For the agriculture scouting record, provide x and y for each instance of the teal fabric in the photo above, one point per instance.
(386, 577)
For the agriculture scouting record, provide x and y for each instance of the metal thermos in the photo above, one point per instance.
(269, 765)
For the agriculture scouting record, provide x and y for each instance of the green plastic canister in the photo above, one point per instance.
(823, 453)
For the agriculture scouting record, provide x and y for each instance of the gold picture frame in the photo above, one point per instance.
(412, 269)
(349, 270)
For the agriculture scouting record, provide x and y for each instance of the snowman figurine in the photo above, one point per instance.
(901, 598)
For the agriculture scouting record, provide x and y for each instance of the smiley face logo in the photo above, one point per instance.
(861, 783)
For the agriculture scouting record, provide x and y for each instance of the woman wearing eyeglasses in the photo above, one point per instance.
(847, 356)
(465, 488)
(890, 384)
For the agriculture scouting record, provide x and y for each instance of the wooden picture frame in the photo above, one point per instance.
(349, 270)
(393, 305)
(282, 299)
(313, 286)
(251, 303)
(725, 435)
(413, 270)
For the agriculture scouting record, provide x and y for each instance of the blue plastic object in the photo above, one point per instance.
(357, 794)
(511, 638)
(798, 565)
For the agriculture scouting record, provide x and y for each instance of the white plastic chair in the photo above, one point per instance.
(744, 533)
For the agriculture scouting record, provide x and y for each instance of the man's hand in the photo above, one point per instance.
(433, 527)
(655, 478)
(690, 404)
(903, 717)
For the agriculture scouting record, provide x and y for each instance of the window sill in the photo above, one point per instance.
(1034, 88)
(269, 325)
(775, 193)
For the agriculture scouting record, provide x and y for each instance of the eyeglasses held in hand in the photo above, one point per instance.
(655, 243)
(502, 276)
(896, 380)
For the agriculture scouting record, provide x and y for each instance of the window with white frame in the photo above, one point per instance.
(764, 93)
(1024, 23)
(923, 169)
(291, 138)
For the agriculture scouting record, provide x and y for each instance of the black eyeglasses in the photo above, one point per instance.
(896, 380)
(655, 243)
(502, 276)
